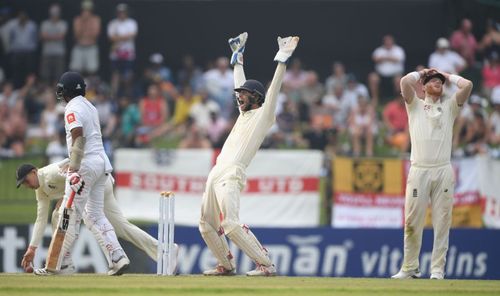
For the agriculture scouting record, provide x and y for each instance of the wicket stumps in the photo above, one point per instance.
(166, 256)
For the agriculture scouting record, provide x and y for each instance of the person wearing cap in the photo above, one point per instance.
(49, 183)
(221, 199)
(446, 60)
(431, 175)
(86, 30)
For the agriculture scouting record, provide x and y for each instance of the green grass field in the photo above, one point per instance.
(22, 284)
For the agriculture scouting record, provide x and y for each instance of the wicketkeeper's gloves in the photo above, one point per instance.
(237, 45)
(287, 46)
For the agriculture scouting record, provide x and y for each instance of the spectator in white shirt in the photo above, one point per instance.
(446, 60)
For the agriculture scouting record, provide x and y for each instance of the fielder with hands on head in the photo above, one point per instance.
(221, 199)
(431, 175)
(87, 162)
(49, 184)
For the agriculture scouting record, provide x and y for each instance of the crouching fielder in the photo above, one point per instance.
(49, 183)
(221, 199)
(431, 176)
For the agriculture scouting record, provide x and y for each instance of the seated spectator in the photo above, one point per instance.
(316, 137)
(56, 149)
(194, 139)
(389, 62)
(9, 95)
(338, 76)
(154, 112)
(51, 121)
(160, 74)
(466, 118)
(494, 121)
(190, 74)
(216, 128)
(130, 121)
(183, 104)
(201, 111)
(476, 135)
(295, 77)
(446, 60)
(354, 89)
(219, 83)
(312, 91)
(491, 73)
(13, 125)
(362, 127)
(396, 123)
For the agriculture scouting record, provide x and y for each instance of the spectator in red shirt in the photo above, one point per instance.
(491, 73)
(396, 122)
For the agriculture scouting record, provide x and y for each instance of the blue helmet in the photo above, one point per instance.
(70, 84)
(254, 87)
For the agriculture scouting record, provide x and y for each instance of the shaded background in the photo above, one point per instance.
(330, 30)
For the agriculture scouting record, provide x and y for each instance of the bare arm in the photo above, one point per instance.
(464, 87)
(76, 155)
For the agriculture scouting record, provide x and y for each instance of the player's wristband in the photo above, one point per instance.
(415, 75)
(33, 248)
(454, 78)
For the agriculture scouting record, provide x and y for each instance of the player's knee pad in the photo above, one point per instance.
(229, 225)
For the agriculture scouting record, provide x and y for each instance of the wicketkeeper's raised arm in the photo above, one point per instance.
(286, 47)
(237, 45)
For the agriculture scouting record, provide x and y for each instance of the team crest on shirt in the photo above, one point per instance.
(70, 118)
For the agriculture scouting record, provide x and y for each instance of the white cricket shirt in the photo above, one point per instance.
(431, 130)
(79, 112)
(52, 185)
(251, 127)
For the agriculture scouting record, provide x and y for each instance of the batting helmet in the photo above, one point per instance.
(70, 84)
(254, 87)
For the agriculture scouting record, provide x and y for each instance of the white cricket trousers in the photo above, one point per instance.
(89, 204)
(424, 185)
(123, 228)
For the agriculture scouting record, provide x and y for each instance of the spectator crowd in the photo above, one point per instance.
(194, 107)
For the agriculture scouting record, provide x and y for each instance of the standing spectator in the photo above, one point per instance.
(464, 42)
(23, 41)
(219, 83)
(396, 123)
(491, 73)
(389, 62)
(86, 29)
(444, 59)
(122, 32)
(52, 34)
(491, 39)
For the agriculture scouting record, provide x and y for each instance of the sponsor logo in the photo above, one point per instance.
(70, 118)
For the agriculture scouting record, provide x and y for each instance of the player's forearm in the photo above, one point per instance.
(408, 84)
(40, 223)
(76, 156)
(464, 87)
(239, 75)
(274, 89)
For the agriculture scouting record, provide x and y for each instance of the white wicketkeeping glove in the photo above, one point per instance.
(237, 45)
(75, 182)
(287, 46)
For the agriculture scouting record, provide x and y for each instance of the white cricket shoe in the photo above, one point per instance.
(220, 270)
(65, 270)
(119, 266)
(262, 270)
(437, 276)
(412, 274)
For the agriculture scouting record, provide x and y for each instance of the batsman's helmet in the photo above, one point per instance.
(254, 87)
(70, 85)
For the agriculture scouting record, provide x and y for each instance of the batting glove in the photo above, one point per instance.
(287, 45)
(75, 182)
(237, 45)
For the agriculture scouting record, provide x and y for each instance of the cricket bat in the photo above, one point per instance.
(54, 254)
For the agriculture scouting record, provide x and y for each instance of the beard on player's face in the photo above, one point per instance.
(244, 100)
(434, 87)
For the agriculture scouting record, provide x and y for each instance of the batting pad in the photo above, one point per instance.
(248, 243)
(217, 243)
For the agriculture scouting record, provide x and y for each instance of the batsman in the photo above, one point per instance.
(221, 199)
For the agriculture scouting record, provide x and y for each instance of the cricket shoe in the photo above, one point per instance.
(262, 270)
(119, 266)
(65, 270)
(220, 270)
(411, 274)
(437, 276)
